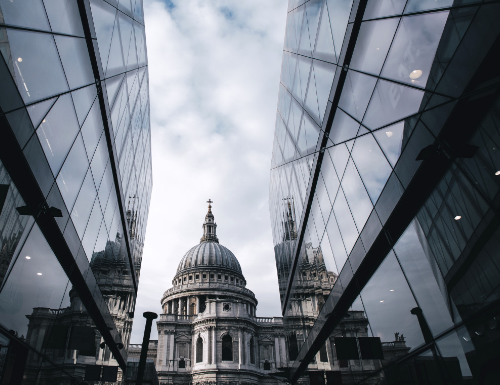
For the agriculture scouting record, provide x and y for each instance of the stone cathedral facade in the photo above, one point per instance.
(208, 332)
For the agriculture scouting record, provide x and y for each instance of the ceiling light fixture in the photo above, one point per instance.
(381, 301)
(388, 133)
(497, 173)
(38, 273)
(415, 74)
(19, 59)
(391, 290)
(457, 217)
(28, 257)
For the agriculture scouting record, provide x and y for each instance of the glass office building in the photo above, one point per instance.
(386, 162)
(75, 186)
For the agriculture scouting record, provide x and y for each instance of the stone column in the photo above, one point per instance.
(214, 347)
(240, 346)
(277, 352)
(209, 345)
(188, 305)
(197, 304)
(179, 311)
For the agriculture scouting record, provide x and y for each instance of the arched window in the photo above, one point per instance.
(252, 351)
(293, 349)
(199, 350)
(227, 348)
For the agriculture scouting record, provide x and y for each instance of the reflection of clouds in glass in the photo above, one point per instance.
(357, 198)
(414, 47)
(345, 222)
(390, 140)
(371, 164)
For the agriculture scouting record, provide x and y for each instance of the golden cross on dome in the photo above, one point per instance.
(210, 202)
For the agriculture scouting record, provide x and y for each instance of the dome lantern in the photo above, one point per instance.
(209, 227)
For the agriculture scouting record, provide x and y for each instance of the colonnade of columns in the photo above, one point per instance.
(191, 305)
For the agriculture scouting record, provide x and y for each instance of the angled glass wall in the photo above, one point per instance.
(385, 164)
(75, 185)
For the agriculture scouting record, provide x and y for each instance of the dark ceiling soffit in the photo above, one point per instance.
(20, 172)
(460, 127)
(338, 84)
(88, 29)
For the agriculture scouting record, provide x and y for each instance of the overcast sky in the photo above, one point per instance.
(214, 70)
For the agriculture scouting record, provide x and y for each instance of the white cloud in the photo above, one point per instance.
(214, 72)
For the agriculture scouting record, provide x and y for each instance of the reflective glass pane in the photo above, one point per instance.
(391, 102)
(99, 161)
(92, 129)
(374, 40)
(38, 164)
(24, 13)
(379, 8)
(92, 230)
(358, 89)
(345, 221)
(390, 139)
(58, 131)
(325, 49)
(339, 11)
(64, 17)
(343, 127)
(38, 111)
(83, 99)
(356, 195)
(388, 303)
(103, 16)
(422, 5)
(371, 164)
(424, 277)
(37, 69)
(35, 284)
(323, 75)
(76, 62)
(21, 124)
(414, 47)
(73, 172)
(83, 206)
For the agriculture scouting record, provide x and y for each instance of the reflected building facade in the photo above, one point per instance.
(75, 186)
(386, 159)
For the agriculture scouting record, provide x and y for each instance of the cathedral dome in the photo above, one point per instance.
(209, 255)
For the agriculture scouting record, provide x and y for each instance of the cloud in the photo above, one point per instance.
(214, 71)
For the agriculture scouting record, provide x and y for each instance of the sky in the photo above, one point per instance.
(214, 70)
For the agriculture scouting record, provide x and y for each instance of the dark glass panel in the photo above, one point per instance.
(64, 17)
(422, 5)
(35, 284)
(73, 172)
(38, 164)
(424, 278)
(388, 303)
(37, 69)
(21, 125)
(414, 47)
(356, 94)
(389, 198)
(372, 45)
(371, 164)
(76, 62)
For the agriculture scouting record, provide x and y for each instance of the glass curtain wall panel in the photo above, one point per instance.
(75, 182)
(383, 191)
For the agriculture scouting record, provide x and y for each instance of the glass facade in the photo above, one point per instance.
(384, 191)
(75, 186)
